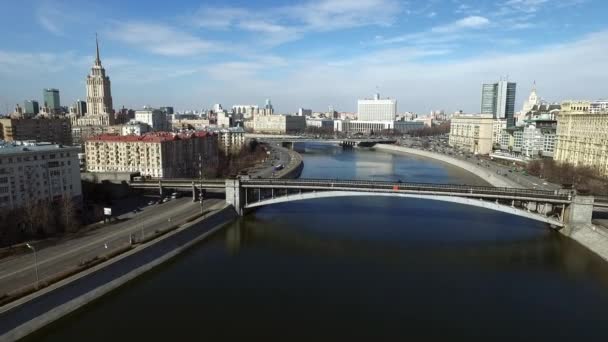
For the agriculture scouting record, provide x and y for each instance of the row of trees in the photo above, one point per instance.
(581, 178)
(39, 220)
(249, 155)
(442, 128)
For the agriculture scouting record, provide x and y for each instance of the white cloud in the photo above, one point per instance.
(449, 33)
(526, 6)
(53, 16)
(160, 39)
(422, 85)
(290, 22)
(470, 22)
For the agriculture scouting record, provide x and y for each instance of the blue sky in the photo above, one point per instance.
(316, 53)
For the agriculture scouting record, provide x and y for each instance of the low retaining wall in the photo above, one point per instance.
(488, 176)
(593, 237)
(31, 313)
(295, 166)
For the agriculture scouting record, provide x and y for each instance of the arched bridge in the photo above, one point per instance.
(557, 208)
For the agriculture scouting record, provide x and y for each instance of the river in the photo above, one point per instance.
(363, 268)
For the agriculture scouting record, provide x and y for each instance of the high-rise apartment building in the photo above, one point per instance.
(377, 109)
(51, 99)
(158, 154)
(498, 100)
(34, 172)
(31, 107)
(582, 136)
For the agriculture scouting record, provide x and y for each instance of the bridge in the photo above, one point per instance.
(560, 208)
(290, 139)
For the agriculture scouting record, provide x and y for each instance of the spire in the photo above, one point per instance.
(97, 60)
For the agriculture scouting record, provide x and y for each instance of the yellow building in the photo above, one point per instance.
(582, 137)
(158, 154)
(472, 133)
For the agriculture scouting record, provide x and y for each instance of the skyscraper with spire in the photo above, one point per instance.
(99, 95)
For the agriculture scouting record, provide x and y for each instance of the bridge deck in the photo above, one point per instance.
(326, 184)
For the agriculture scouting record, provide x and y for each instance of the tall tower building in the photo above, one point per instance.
(51, 99)
(31, 107)
(533, 100)
(498, 99)
(99, 95)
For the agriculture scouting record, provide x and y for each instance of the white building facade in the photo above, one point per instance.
(155, 118)
(34, 172)
(377, 109)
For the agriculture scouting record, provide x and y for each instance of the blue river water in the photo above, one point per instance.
(366, 268)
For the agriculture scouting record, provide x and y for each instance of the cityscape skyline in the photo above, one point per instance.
(196, 55)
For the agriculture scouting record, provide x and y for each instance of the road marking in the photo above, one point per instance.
(136, 226)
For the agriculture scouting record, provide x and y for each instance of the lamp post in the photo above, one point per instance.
(35, 263)
(200, 171)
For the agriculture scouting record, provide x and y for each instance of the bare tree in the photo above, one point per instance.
(68, 214)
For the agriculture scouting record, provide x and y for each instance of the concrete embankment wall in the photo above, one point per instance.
(295, 166)
(31, 313)
(593, 237)
(487, 175)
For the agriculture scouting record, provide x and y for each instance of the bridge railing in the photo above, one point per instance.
(322, 183)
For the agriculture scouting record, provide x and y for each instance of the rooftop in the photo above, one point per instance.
(153, 137)
(12, 147)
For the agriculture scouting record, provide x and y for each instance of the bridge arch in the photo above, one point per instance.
(452, 199)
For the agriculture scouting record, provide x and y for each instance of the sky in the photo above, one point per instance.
(429, 55)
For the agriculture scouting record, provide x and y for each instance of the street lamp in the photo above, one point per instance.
(35, 262)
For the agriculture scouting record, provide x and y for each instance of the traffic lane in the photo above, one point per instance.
(88, 235)
(26, 276)
(53, 259)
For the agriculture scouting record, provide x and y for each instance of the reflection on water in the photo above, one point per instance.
(363, 268)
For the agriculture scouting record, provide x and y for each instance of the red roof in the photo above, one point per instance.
(154, 137)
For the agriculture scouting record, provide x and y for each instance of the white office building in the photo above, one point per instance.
(377, 109)
(135, 128)
(32, 172)
(155, 118)
(304, 112)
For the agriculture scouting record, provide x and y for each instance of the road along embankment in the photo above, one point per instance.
(28, 314)
(594, 238)
(481, 172)
(294, 168)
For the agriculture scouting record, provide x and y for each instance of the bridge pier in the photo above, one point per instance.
(160, 188)
(235, 195)
(193, 192)
(578, 214)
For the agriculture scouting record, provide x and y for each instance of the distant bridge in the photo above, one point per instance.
(363, 141)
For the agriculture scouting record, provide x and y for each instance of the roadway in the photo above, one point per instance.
(278, 155)
(19, 271)
(439, 145)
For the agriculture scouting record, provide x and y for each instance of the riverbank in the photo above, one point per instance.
(592, 237)
(294, 167)
(480, 172)
(30, 313)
